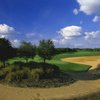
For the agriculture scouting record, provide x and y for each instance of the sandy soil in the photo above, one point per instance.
(84, 85)
(79, 88)
(93, 61)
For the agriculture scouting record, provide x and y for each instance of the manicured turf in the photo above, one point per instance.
(76, 54)
(72, 66)
(64, 65)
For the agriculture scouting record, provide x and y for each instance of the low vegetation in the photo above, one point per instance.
(33, 75)
(17, 66)
(29, 73)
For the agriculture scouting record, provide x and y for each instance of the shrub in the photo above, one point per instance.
(32, 74)
(36, 74)
(10, 77)
(5, 71)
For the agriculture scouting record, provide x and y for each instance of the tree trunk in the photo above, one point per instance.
(44, 60)
(4, 63)
(44, 66)
(26, 60)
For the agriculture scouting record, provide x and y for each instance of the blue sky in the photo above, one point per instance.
(69, 23)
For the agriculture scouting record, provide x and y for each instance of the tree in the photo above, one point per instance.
(6, 50)
(46, 49)
(27, 50)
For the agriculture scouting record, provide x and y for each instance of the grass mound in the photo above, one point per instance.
(34, 74)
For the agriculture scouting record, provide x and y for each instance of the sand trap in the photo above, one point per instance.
(81, 87)
(92, 61)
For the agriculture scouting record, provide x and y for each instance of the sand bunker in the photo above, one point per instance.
(92, 61)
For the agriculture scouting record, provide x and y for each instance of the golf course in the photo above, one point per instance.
(49, 49)
(81, 65)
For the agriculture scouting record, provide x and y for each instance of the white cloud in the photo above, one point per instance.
(92, 35)
(70, 32)
(15, 42)
(6, 30)
(75, 11)
(76, 37)
(96, 19)
(89, 6)
(3, 36)
(60, 41)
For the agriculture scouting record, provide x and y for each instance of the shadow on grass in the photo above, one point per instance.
(88, 75)
(85, 75)
(34, 74)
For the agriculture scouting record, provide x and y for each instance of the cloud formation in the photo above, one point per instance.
(92, 35)
(96, 19)
(70, 32)
(76, 37)
(75, 11)
(89, 6)
(16, 42)
(6, 30)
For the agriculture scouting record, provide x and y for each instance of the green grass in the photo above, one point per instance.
(76, 54)
(65, 66)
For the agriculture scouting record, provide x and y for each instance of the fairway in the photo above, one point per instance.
(70, 66)
(65, 66)
(73, 65)
(77, 54)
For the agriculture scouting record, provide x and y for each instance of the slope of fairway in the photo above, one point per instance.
(70, 66)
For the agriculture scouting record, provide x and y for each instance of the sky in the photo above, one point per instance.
(68, 23)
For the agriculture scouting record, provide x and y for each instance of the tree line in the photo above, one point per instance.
(46, 50)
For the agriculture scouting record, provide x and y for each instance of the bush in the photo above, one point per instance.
(36, 74)
(5, 71)
(33, 75)
(10, 77)
(18, 76)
